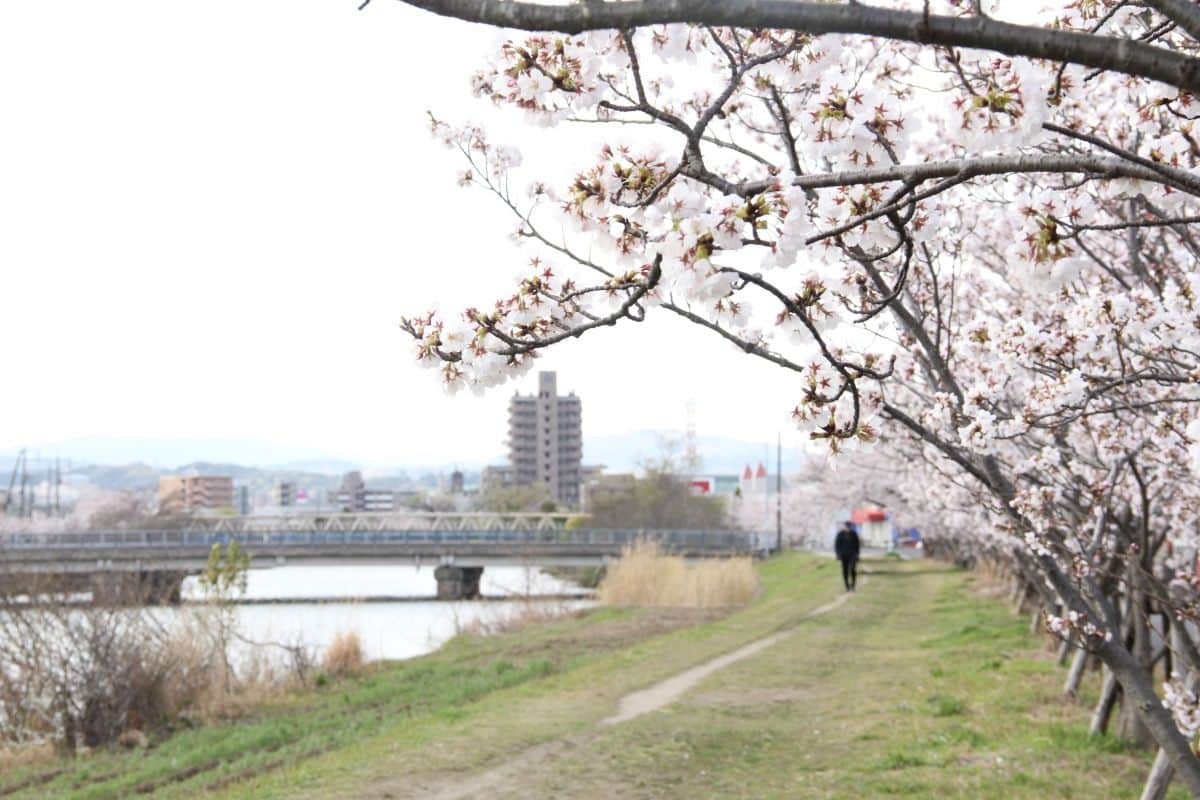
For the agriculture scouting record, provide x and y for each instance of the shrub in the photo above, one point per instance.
(74, 673)
(80, 676)
(344, 656)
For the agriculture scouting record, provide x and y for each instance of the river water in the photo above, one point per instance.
(387, 629)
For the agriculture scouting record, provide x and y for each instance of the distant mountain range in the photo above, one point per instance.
(128, 463)
(171, 453)
(719, 455)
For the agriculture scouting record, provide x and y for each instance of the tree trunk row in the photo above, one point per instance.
(1128, 704)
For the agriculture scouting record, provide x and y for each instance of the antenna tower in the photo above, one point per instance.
(691, 455)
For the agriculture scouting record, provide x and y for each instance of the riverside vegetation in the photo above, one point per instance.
(76, 676)
(919, 686)
(646, 576)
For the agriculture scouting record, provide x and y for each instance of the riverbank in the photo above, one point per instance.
(318, 600)
(915, 686)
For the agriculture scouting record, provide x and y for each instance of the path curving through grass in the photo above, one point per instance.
(666, 692)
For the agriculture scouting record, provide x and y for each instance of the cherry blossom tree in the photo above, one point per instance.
(91, 508)
(970, 237)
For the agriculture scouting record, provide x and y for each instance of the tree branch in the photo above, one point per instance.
(1105, 166)
(1184, 13)
(1102, 52)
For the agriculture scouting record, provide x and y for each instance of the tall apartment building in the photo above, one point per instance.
(545, 440)
(284, 494)
(178, 493)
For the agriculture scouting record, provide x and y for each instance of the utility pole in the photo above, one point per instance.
(9, 493)
(23, 508)
(766, 485)
(779, 493)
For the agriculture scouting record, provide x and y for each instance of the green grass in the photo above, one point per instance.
(943, 705)
(192, 761)
(917, 687)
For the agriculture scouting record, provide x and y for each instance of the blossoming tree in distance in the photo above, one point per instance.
(968, 229)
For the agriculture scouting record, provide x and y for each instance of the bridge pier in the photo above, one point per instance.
(156, 588)
(35, 585)
(457, 583)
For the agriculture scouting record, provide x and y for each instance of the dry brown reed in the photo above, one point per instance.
(260, 680)
(646, 576)
(344, 656)
(26, 755)
(208, 688)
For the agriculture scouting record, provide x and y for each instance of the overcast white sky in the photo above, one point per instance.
(213, 215)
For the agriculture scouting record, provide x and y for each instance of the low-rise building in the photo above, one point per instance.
(606, 490)
(714, 484)
(354, 495)
(498, 476)
(184, 493)
(874, 526)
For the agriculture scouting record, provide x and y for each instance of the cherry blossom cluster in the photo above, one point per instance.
(549, 77)
(1184, 706)
(1076, 625)
(1000, 102)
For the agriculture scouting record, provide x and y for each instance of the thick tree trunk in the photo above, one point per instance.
(1131, 725)
(1110, 690)
(1104, 706)
(1075, 674)
(1161, 773)
(1139, 693)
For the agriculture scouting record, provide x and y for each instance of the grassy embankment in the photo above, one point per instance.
(915, 688)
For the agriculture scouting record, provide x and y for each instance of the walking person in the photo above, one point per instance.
(846, 546)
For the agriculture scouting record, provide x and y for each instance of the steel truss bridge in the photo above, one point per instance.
(470, 540)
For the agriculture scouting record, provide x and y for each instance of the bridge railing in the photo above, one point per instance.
(610, 539)
(406, 520)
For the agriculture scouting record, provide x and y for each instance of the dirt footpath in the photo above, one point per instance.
(513, 777)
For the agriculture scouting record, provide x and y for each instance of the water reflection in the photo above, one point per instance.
(387, 629)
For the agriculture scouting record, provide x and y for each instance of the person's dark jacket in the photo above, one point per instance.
(846, 545)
